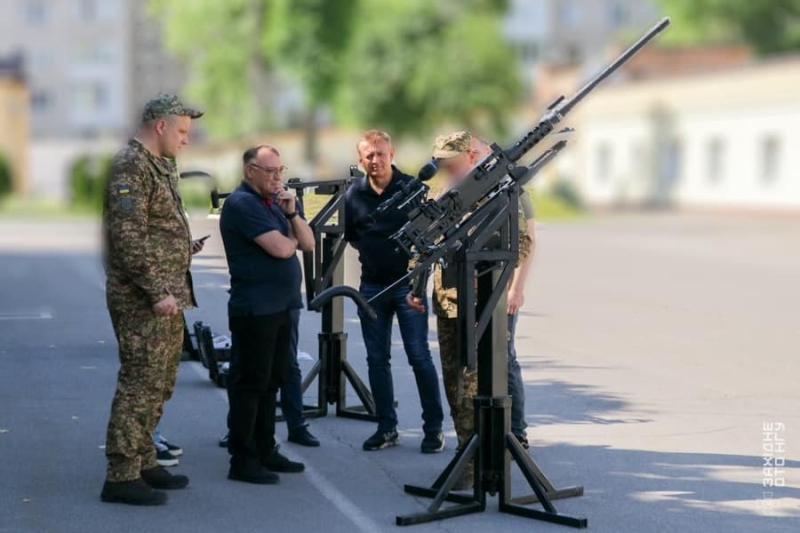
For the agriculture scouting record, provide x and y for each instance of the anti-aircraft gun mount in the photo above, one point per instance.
(473, 227)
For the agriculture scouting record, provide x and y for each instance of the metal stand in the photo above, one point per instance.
(323, 268)
(484, 342)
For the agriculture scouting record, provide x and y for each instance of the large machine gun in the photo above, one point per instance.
(436, 225)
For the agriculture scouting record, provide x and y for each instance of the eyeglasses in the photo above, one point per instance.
(272, 171)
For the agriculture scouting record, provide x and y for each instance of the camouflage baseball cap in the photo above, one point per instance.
(448, 146)
(167, 104)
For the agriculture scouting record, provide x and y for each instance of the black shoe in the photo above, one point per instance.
(173, 449)
(277, 462)
(522, 439)
(135, 492)
(303, 437)
(158, 478)
(164, 458)
(381, 440)
(432, 443)
(251, 472)
(223, 442)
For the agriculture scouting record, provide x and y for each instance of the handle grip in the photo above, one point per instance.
(342, 290)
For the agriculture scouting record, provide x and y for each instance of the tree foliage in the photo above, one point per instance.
(768, 26)
(405, 65)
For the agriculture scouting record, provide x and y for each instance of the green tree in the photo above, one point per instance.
(405, 65)
(418, 64)
(308, 39)
(768, 26)
(220, 41)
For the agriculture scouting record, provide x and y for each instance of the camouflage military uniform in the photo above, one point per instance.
(460, 384)
(148, 254)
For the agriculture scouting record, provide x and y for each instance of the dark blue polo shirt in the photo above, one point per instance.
(260, 284)
(381, 263)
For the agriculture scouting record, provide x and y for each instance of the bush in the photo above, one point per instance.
(88, 177)
(567, 193)
(6, 177)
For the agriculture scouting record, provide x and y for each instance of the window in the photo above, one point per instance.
(90, 98)
(91, 54)
(569, 13)
(86, 10)
(40, 100)
(716, 161)
(618, 14)
(770, 159)
(34, 12)
(605, 161)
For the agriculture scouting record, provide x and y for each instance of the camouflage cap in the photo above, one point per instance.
(167, 104)
(448, 146)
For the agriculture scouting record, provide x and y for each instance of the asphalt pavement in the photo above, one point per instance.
(660, 355)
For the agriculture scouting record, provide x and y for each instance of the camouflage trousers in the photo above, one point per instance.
(460, 384)
(149, 353)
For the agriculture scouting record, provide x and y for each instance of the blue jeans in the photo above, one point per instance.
(516, 387)
(378, 341)
(291, 392)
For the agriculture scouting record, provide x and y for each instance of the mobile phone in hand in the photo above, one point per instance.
(203, 239)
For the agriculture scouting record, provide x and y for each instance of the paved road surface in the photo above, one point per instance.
(654, 350)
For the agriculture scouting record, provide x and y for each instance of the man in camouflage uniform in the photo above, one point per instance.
(148, 249)
(456, 154)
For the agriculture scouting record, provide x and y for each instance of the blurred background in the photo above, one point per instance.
(704, 119)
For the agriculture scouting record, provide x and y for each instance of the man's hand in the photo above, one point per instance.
(197, 246)
(287, 202)
(516, 299)
(415, 303)
(166, 307)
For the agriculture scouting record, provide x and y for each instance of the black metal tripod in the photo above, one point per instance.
(483, 339)
(323, 268)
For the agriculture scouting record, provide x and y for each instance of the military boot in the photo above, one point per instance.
(135, 492)
(159, 478)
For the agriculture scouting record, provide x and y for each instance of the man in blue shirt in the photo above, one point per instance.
(382, 264)
(262, 231)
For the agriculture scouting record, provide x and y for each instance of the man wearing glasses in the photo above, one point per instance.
(262, 231)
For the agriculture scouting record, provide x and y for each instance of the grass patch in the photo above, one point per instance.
(48, 208)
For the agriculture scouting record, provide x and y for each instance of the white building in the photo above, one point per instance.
(716, 139)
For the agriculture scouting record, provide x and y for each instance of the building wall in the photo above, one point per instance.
(719, 139)
(74, 61)
(14, 126)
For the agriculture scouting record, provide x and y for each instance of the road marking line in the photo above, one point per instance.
(345, 506)
(43, 315)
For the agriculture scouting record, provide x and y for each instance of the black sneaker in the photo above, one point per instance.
(251, 471)
(158, 478)
(432, 443)
(135, 492)
(303, 437)
(380, 440)
(173, 449)
(277, 462)
(522, 439)
(164, 458)
(223, 442)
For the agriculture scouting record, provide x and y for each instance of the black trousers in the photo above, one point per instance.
(259, 364)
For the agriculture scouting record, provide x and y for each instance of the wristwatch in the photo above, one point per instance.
(290, 216)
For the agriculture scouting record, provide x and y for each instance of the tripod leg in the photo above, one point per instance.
(524, 461)
(450, 466)
(458, 469)
(360, 387)
(312, 374)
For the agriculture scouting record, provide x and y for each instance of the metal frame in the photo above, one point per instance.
(483, 343)
(323, 269)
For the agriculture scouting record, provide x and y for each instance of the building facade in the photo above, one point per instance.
(724, 138)
(571, 31)
(88, 63)
(14, 121)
